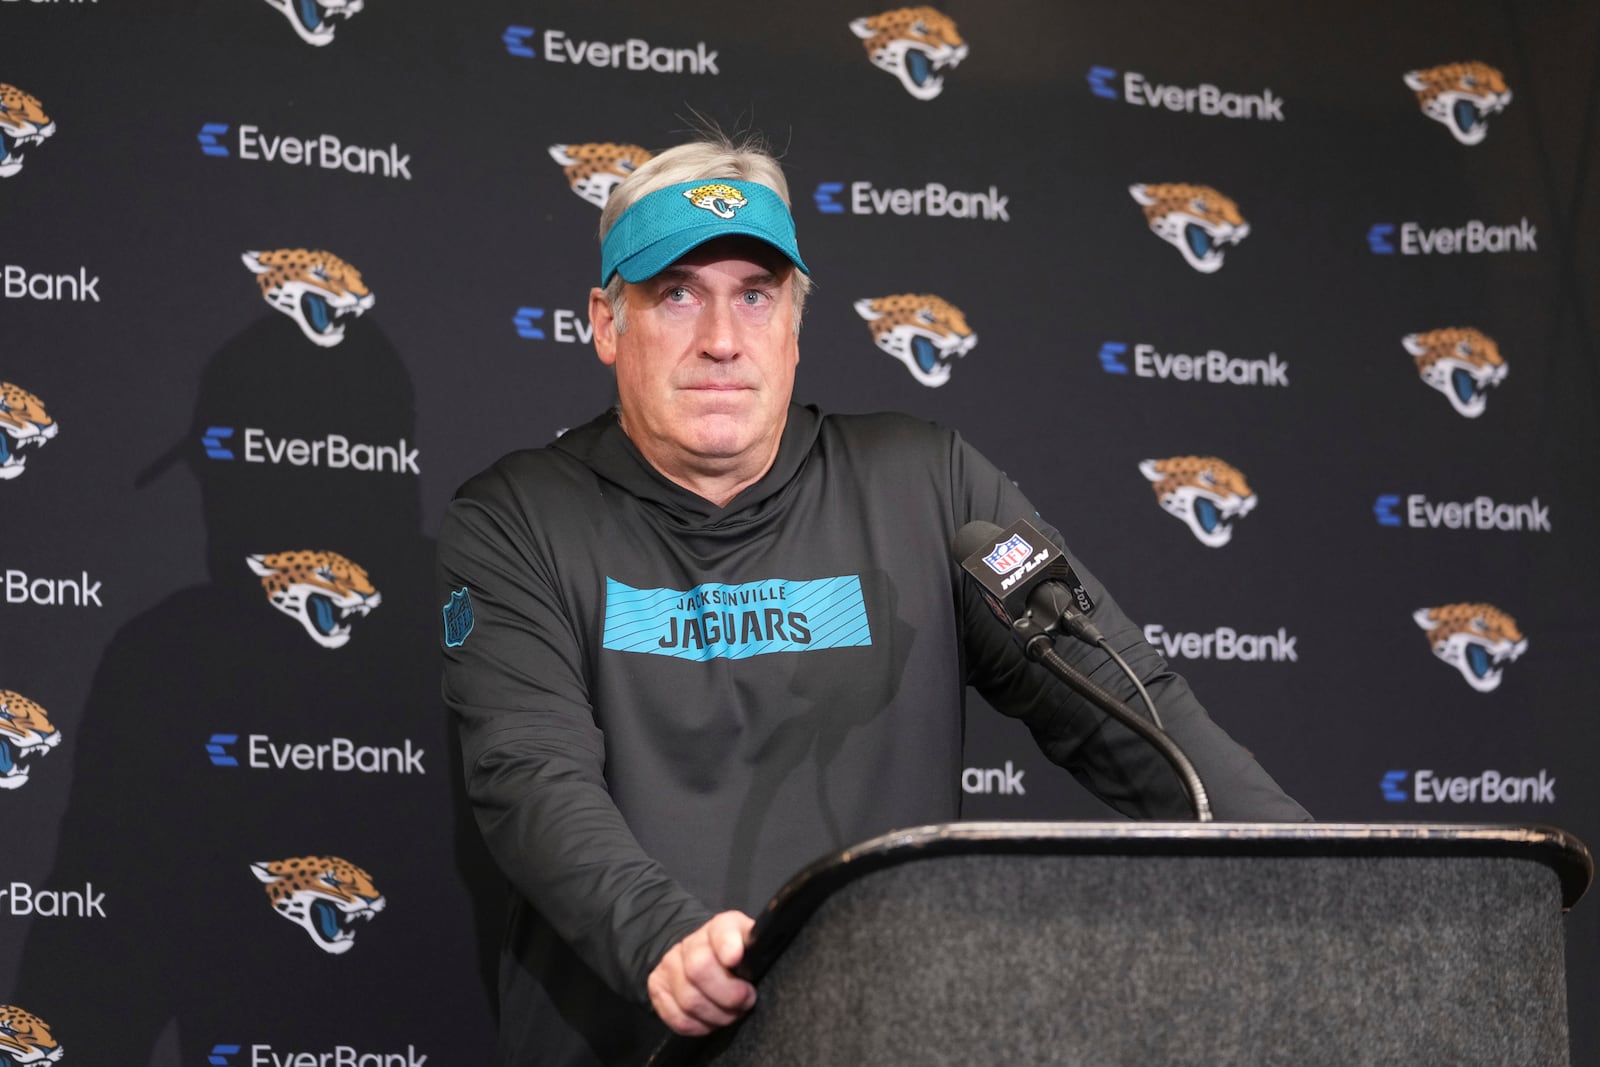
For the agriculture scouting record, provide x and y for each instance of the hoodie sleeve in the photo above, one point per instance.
(534, 757)
(1112, 761)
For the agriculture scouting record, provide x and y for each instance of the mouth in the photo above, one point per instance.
(1465, 386)
(13, 772)
(12, 459)
(918, 66)
(309, 14)
(332, 620)
(925, 352)
(323, 317)
(335, 926)
(1479, 661)
(1208, 515)
(1466, 114)
(1199, 240)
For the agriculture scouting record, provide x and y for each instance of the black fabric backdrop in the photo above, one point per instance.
(132, 921)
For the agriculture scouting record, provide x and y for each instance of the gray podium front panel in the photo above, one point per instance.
(1170, 945)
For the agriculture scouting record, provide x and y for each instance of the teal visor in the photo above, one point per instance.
(660, 227)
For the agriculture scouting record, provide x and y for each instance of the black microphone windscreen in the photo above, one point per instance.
(975, 535)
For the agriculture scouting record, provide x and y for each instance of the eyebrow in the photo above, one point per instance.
(689, 274)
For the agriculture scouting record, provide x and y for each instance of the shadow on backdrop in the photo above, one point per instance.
(171, 834)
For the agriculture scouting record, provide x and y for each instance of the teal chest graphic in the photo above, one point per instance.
(737, 621)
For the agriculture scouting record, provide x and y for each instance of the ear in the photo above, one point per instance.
(253, 261)
(1141, 194)
(261, 872)
(603, 321)
(558, 152)
(1413, 343)
(861, 29)
(1415, 80)
(258, 566)
(864, 309)
(1148, 469)
(1424, 618)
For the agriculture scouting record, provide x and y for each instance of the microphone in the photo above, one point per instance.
(1023, 575)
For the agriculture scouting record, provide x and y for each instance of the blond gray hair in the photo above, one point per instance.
(716, 156)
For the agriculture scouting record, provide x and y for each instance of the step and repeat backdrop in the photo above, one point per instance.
(1286, 318)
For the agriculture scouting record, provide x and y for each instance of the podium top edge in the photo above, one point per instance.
(1557, 849)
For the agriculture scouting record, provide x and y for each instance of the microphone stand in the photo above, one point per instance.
(1039, 646)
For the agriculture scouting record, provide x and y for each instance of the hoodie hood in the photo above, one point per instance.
(603, 447)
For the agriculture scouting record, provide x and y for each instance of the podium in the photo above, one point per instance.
(1165, 943)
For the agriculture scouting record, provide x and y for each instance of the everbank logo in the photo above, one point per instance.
(222, 1055)
(324, 151)
(338, 755)
(1474, 237)
(1223, 643)
(1202, 99)
(1487, 787)
(1005, 781)
(560, 324)
(1479, 513)
(80, 592)
(21, 899)
(333, 451)
(20, 283)
(555, 46)
(934, 200)
(1213, 366)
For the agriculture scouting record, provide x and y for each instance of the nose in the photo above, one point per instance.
(719, 337)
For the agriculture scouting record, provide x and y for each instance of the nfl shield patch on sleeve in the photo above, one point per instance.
(457, 618)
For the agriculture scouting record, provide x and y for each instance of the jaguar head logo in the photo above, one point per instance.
(323, 591)
(1463, 364)
(323, 895)
(922, 331)
(1475, 639)
(25, 734)
(1203, 492)
(24, 424)
(913, 44)
(26, 1038)
(723, 201)
(313, 19)
(1461, 96)
(22, 122)
(316, 289)
(594, 170)
(1195, 219)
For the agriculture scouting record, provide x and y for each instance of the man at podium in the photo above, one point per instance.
(713, 635)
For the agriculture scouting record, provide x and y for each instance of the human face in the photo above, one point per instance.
(706, 368)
